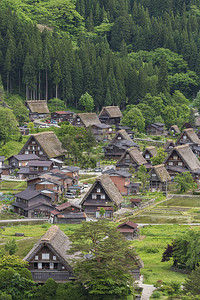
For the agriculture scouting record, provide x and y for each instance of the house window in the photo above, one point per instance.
(20, 164)
(38, 147)
(153, 175)
(51, 265)
(147, 156)
(94, 196)
(175, 157)
(170, 163)
(33, 142)
(119, 138)
(13, 163)
(33, 152)
(170, 147)
(45, 168)
(29, 147)
(55, 188)
(180, 163)
(55, 266)
(36, 257)
(39, 265)
(26, 152)
(33, 147)
(54, 257)
(103, 196)
(45, 255)
(40, 152)
(98, 190)
(35, 266)
(184, 137)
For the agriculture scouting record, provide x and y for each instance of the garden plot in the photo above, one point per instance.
(185, 202)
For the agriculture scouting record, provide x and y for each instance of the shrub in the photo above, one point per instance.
(152, 250)
(156, 294)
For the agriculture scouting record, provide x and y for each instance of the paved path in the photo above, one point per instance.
(147, 289)
(22, 220)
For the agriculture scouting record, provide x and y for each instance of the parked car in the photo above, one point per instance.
(74, 188)
(85, 184)
(98, 169)
(53, 121)
(70, 195)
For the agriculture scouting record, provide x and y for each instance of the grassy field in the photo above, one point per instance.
(185, 202)
(150, 246)
(12, 186)
(154, 240)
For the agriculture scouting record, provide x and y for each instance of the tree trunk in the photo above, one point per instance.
(19, 82)
(39, 95)
(46, 86)
(56, 91)
(7, 82)
(26, 92)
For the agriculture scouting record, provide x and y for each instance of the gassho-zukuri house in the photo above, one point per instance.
(49, 259)
(103, 193)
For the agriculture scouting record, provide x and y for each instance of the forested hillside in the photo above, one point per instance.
(122, 52)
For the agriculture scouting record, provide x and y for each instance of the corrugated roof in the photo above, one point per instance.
(25, 157)
(38, 106)
(128, 223)
(124, 135)
(40, 163)
(66, 205)
(27, 194)
(113, 111)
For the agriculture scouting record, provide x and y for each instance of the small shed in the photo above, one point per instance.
(135, 202)
(129, 230)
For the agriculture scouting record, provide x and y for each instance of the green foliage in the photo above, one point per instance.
(160, 157)
(11, 246)
(86, 101)
(14, 262)
(185, 182)
(56, 104)
(106, 272)
(143, 176)
(8, 126)
(134, 119)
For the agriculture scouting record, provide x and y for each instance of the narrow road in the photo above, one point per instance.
(147, 289)
(22, 220)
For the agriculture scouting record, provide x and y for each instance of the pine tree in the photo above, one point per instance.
(163, 82)
(56, 75)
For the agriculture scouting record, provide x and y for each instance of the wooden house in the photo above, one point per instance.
(159, 178)
(120, 179)
(21, 160)
(24, 131)
(188, 136)
(67, 213)
(182, 159)
(149, 152)
(156, 129)
(85, 120)
(34, 168)
(49, 259)
(38, 109)
(110, 115)
(128, 130)
(103, 193)
(118, 145)
(174, 130)
(135, 202)
(129, 230)
(169, 145)
(62, 116)
(46, 145)
(131, 157)
(102, 132)
(32, 204)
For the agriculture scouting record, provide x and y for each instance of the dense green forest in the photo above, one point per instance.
(122, 52)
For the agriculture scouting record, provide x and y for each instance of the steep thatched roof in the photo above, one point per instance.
(162, 173)
(192, 136)
(175, 128)
(56, 239)
(152, 150)
(112, 111)
(50, 143)
(124, 135)
(109, 187)
(188, 157)
(167, 144)
(89, 119)
(38, 106)
(135, 154)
